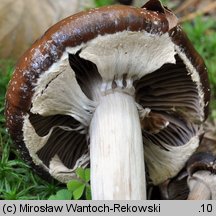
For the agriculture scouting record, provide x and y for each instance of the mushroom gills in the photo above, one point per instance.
(172, 127)
(67, 139)
(88, 73)
(170, 89)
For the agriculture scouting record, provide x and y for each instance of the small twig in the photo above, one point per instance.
(184, 6)
(204, 10)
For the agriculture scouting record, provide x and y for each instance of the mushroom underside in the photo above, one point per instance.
(152, 71)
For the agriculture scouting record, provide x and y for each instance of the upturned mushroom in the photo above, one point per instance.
(113, 88)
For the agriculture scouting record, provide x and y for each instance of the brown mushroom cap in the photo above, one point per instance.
(174, 86)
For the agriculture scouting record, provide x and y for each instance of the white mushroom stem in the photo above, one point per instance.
(202, 186)
(116, 150)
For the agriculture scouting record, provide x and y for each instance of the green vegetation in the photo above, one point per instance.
(17, 181)
(99, 3)
(76, 189)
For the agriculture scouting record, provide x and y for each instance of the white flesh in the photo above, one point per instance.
(199, 191)
(116, 150)
(202, 186)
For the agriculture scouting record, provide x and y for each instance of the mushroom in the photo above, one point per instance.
(202, 179)
(110, 88)
(196, 181)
